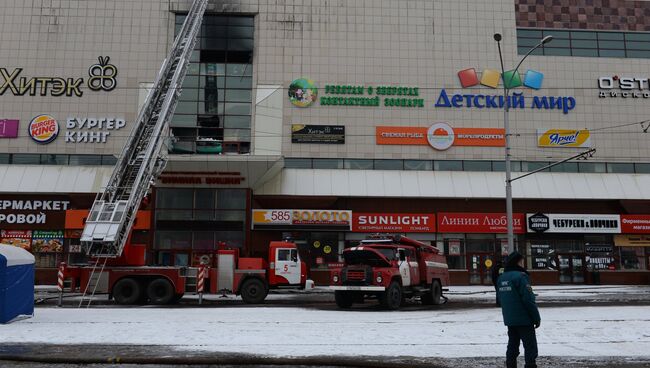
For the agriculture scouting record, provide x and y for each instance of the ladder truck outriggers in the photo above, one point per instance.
(118, 266)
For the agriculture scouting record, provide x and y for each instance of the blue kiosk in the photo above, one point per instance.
(16, 283)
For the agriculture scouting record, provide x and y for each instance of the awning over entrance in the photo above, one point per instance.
(53, 179)
(454, 184)
(235, 171)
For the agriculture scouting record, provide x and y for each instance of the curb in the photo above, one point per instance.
(356, 362)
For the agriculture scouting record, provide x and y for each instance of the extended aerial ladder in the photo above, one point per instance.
(143, 158)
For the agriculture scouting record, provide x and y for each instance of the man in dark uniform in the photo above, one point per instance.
(497, 270)
(519, 310)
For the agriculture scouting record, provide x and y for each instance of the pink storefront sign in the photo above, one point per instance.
(8, 128)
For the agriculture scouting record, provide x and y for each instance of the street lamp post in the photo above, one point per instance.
(506, 126)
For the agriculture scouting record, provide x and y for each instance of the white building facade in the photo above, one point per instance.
(328, 120)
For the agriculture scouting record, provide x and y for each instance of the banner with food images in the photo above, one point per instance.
(17, 238)
(47, 241)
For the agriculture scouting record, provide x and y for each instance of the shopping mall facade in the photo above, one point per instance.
(327, 121)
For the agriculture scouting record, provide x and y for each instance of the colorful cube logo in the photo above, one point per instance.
(533, 79)
(468, 77)
(511, 79)
(490, 78)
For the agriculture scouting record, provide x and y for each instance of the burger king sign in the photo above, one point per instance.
(43, 129)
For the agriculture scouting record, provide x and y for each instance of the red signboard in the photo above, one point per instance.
(479, 223)
(393, 222)
(635, 224)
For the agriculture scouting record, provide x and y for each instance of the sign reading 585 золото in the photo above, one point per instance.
(297, 218)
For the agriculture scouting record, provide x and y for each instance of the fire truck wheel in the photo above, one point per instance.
(160, 291)
(253, 291)
(127, 291)
(343, 299)
(391, 299)
(434, 296)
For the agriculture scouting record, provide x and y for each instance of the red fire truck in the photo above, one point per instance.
(389, 269)
(128, 281)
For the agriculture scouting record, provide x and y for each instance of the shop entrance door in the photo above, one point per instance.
(572, 268)
(480, 268)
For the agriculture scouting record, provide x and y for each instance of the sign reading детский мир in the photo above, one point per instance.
(490, 78)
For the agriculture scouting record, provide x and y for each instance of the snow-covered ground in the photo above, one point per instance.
(293, 331)
(457, 294)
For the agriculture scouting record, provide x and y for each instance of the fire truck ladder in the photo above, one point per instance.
(114, 210)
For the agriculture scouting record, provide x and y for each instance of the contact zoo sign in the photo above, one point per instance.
(102, 76)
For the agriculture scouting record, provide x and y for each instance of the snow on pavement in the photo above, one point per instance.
(293, 331)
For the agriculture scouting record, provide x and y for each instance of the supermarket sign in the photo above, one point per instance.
(299, 218)
(490, 223)
(394, 223)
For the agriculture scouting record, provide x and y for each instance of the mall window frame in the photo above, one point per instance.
(496, 166)
(585, 43)
(327, 163)
(218, 95)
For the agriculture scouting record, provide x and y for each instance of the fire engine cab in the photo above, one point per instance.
(390, 269)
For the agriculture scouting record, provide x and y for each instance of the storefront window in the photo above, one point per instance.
(568, 246)
(75, 254)
(632, 258)
(173, 239)
(198, 220)
(204, 200)
(455, 252)
(317, 249)
(479, 243)
(174, 204)
(541, 256)
(203, 240)
(599, 257)
(231, 199)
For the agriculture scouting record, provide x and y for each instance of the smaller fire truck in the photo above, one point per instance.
(390, 269)
(128, 281)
